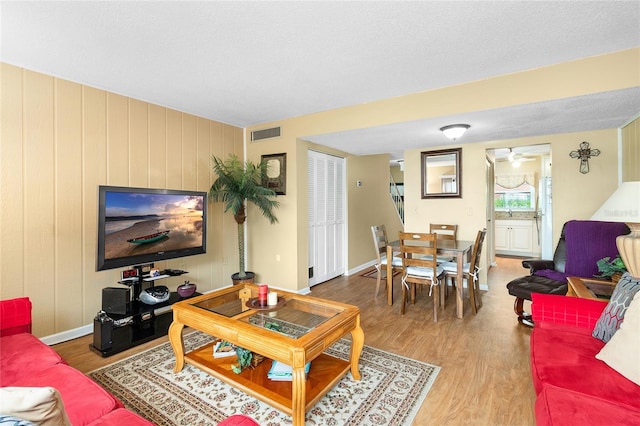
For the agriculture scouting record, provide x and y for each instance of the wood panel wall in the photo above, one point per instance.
(59, 140)
(631, 151)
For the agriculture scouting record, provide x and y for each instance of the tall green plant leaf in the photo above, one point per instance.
(238, 183)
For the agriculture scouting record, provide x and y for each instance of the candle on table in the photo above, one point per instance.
(263, 290)
(272, 298)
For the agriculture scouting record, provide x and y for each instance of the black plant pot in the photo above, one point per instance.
(248, 278)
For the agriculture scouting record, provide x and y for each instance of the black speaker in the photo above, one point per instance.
(102, 328)
(115, 300)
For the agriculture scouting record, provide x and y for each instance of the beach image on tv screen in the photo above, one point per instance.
(138, 223)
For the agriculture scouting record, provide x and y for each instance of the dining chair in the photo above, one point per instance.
(381, 242)
(444, 232)
(470, 272)
(418, 270)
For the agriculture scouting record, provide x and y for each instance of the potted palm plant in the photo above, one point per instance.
(237, 184)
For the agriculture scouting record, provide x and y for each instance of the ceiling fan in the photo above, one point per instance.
(516, 159)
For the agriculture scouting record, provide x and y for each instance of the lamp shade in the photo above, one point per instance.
(624, 206)
(454, 131)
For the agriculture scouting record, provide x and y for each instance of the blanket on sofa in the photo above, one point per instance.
(589, 241)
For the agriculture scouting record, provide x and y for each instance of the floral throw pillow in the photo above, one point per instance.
(613, 313)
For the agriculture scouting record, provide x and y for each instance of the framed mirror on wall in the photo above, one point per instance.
(441, 175)
(276, 178)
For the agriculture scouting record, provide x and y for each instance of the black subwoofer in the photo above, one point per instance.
(115, 300)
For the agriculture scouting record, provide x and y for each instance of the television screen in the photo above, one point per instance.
(142, 225)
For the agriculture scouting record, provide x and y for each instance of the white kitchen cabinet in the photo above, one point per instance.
(516, 237)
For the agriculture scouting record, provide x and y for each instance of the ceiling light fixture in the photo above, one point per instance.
(454, 131)
(515, 161)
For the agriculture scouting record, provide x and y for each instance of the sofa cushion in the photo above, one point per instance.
(621, 352)
(24, 352)
(15, 316)
(556, 406)
(566, 359)
(41, 405)
(84, 400)
(568, 313)
(614, 312)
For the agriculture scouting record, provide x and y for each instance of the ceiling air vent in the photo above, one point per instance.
(259, 135)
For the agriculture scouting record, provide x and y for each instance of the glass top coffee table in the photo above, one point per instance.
(588, 288)
(304, 327)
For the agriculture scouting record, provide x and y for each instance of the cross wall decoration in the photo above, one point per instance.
(584, 153)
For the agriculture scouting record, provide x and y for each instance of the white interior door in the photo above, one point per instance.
(327, 238)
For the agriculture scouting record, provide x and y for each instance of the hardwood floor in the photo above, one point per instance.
(485, 377)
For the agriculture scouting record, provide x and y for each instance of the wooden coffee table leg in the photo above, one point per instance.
(357, 342)
(175, 337)
(298, 396)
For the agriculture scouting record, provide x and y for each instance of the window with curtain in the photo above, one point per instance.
(515, 192)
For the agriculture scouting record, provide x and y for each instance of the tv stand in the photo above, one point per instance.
(114, 333)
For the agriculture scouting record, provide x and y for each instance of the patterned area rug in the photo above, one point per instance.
(391, 391)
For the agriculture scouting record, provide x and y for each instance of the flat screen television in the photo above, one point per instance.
(142, 225)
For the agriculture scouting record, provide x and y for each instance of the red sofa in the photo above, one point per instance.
(27, 362)
(572, 386)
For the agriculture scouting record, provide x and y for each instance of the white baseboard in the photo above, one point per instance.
(68, 335)
(360, 268)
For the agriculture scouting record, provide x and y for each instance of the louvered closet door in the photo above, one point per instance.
(326, 217)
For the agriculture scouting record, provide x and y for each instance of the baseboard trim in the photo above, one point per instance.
(358, 269)
(68, 335)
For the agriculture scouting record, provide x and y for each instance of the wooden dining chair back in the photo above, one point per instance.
(470, 272)
(444, 231)
(380, 242)
(418, 252)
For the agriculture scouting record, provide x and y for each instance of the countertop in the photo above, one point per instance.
(501, 215)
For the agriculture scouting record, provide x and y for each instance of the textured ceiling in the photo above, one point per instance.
(584, 113)
(245, 63)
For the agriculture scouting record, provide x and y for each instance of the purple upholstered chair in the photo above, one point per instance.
(582, 243)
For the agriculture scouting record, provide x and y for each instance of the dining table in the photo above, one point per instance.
(460, 249)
